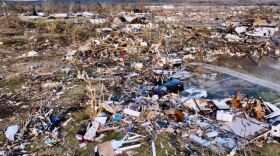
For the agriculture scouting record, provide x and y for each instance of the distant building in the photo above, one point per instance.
(256, 29)
(159, 7)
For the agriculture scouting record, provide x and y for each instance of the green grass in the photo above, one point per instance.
(75, 93)
(268, 96)
(12, 84)
(86, 152)
(80, 116)
(113, 136)
(13, 40)
(80, 34)
(270, 150)
(207, 32)
(2, 138)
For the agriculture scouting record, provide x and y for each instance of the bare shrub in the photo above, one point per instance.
(80, 34)
(13, 21)
(58, 27)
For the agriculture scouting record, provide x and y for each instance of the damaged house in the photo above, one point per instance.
(263, 31)
(258, 31)
(134, 24)
(256, 28)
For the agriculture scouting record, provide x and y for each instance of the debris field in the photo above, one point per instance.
(142, 80)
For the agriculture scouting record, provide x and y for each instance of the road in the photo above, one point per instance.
(246, 77)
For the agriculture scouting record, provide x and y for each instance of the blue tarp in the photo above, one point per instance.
(172, 83)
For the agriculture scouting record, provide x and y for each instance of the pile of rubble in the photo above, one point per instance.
(142, 104)
(135, 80)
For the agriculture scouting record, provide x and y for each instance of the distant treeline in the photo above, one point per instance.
(217, 2)
(108, 6)
(235, 2)
(52, 6)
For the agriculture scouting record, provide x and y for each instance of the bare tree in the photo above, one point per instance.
(49, 6)
(4, 8)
